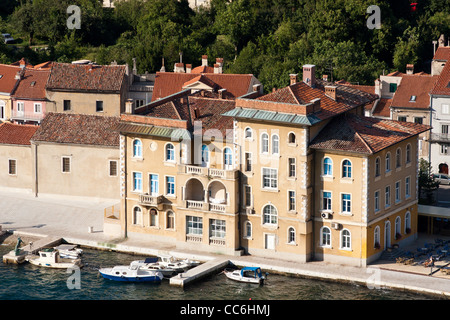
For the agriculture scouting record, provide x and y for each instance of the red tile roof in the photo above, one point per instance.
(19, 134)
(414, 85)
(352, 133)
(32, 85)
(167, 83)
(442, 86)
(203, 69)
(78, 129)
(442, 53)
(93, 78)
(383, 108)
(7, 78)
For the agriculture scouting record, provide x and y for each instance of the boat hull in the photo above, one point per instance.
(57, 265)
(131, 279)
(129, 275)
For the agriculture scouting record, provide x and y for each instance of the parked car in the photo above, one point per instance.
(7, 38)
(441, 178)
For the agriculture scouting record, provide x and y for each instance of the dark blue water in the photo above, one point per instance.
(28, 282)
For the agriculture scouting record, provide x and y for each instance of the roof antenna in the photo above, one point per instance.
(181, 56)
(163, 69)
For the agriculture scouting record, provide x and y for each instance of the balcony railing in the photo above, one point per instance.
(27, 116)
(217, 241)
(210, 172)
(193, 238)
(150, 200)
(444, 137)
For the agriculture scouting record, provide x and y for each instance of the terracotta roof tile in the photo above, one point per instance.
(32, 85)
(95, 78)
(383, 108)
(414, 85)
(442, 53)
(442, 86)
(78, 129)
(353, 133)
(7, 78)
(16, 133)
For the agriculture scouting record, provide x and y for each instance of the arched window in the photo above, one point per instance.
(264, 143)
(228, 158)
(170, 152)
(408, 153)
(388, 162)
(248, 229)
(398, 231)
(346, 242)
(275, 144)
(291, 235)
(170, 220)
(291, 137)
(248, 133)
(346, 169)
(377, 167)
(205, 155)
(407, 222)
(153, 217)
(137, 148)
(376, 237)
(137, 215)
(327, 167)
(398, 158)
(325, 237)
(269, 214)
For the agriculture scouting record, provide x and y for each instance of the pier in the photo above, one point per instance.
(199, 272)
(18, 256)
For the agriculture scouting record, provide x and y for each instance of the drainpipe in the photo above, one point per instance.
(35, 170)
(125, 188)
(429, 140)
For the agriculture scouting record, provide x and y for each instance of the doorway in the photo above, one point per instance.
(269, 241)
(387, 235)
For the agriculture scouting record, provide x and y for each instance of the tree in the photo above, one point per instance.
(427, 185)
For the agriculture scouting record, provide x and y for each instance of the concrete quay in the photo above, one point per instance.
(81, 222)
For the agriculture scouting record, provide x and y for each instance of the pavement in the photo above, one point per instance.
(73, 220)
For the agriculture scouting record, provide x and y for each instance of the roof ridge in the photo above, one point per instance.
(364, 141)
(292, 92)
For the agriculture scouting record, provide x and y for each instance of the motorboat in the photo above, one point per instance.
(180, 265)
(50, 258)
(131, 273)
(246, 274)
(69, 251)
(153, 264)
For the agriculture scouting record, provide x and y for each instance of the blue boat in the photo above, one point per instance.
(131, 273)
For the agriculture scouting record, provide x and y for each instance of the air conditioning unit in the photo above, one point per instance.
(249, 211)
(335, 225)
(326, 215)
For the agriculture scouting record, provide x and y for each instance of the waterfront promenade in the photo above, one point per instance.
(81, 222)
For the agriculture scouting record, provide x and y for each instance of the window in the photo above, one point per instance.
(388, 162)
(112, 168)
(217, 228)
(346, 169)
(248, 133)
(194, 225)
(377, 167)
(398, 158)
(291, 235)
(291, 137)
(275, 144)
(444, 128)
(408, 153)
(401, 118)
(228, 158)
(292, 168)
(418, 120)
(392, 87)
(264, 143)
(412, 99)
(137, 181)
(170, 186)
(137, 148)
(387, 196)
(66, 105)
(37, 108)
(248, 195)
(291, 200)
(154, 184)
(12, 166)
(205, 155)
(269, 214)
(248, 161)
(345, 239)
(377, 201)
(153, 218)
(445, 109)
(137, 216)
(170, 220)
(398, 223)
(20, 106)
(444, 149)
(99, 106)
(397, 192)
(270, 179)
(325, 236)
(346, 203)
(326, 204)
(248, 229)
(170, 152)
(65, 164)
(327, 167)
(376, 237)
(407, 187)
(407, 222)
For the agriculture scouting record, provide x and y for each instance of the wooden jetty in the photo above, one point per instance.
(18, 256)
(199, 272)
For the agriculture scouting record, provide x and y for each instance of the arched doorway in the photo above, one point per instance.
(387, 235)
(443, 168)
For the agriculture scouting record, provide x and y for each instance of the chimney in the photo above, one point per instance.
(409, 69)
(163, 68)
(316, 105)
(222, 93)
(330, 91)
(204, 60)
(217, 68)
(196, 113)
(18, 76)
(325, 77)
(309, 75)
(441, 41)
(23, 63)
(129, 106)
(293, 78)
(219, 61)
(134, 66)
(378, 87)
(188, 68)
(179, 67)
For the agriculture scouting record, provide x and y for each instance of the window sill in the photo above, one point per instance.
(347, 180)
(270, 190)
(170, 163)
(388, 173)
(346, 214)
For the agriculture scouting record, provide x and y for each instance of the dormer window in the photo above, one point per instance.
(412, 99)
(32, 83)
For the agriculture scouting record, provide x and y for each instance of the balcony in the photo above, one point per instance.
(153, 201)
(197, 197)
(208, 172)
(440, 137)
(27, 116)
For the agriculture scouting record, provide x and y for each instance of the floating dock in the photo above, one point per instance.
(203, 270)
(31, 248)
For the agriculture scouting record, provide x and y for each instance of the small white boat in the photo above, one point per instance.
(131, 273)
(246, 274)
(50, 258)
(180, 265)
(69, 251)
(153, 264)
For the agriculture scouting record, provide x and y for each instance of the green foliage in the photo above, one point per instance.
(427, 185)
